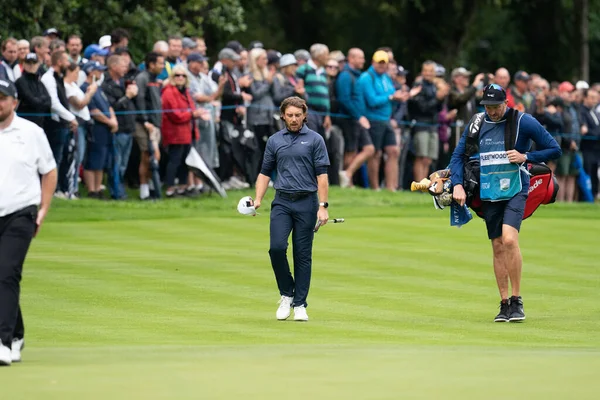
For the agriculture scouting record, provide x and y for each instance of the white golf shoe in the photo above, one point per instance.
(15, 351)
(285, 307)
(5, 358)
(300, 314)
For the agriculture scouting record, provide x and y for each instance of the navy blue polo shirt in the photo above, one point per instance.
(99, 102)
(298, 158)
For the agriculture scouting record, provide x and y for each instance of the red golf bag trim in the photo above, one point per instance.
(543, 188)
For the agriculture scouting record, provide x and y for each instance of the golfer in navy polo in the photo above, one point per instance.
(299, 157)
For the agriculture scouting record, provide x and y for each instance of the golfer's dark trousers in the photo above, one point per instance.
(295, 213)
(16, 232)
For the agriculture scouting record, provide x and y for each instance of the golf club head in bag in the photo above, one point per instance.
(198, 166)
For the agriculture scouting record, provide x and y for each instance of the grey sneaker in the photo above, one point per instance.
(516, 309)
(504, 312)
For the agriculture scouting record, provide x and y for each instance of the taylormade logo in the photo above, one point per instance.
(476, 123)
(536, 184)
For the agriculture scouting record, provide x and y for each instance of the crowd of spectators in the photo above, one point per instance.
(380, 131)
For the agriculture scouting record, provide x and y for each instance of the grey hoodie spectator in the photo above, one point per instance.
(260, 113)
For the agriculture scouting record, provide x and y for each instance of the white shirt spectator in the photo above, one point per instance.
(58, 110)
(75, 91)
(24, 155)
(17, 72)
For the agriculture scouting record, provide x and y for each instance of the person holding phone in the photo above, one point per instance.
(25, 154)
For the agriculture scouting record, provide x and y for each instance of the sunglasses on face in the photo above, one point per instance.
(180, 76)
(333, 66)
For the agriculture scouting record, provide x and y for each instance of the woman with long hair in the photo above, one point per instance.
(178, 128)
(262, 108)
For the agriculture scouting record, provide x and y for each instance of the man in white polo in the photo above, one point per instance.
(25, 154)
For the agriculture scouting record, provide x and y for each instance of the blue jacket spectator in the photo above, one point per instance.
(349, 96)
(377, 90)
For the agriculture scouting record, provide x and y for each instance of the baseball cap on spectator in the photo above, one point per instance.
(402, 71)
(93, 49)
(493, 94)
(521, 76)
(256, 44)
(566, 87)
(440, 70)
(302, 55)
(273, 57)
(228, 54)
(460, 71)
(582, 85)
(381, 56)
(196, 57)
(235, 46)
(188, 43)
(8, 88)
(31, 58)
(93, 66)
(51, 31)
(286, 60)
(104, 42)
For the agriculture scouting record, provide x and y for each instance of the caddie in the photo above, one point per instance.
(503, 185)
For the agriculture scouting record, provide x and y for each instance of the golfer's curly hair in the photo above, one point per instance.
(293, 101)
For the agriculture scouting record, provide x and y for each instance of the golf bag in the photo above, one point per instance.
(543, 188)
(239, 148)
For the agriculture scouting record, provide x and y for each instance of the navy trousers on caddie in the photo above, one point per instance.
(295, 213)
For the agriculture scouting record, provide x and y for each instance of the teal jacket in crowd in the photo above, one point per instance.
(376, 90)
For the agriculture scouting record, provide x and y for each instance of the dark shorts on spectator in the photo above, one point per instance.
(382, 134)
(355, 136)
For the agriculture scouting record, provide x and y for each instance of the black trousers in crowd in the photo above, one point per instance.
(294, 213)
(16, 233)
(176, 167)
(315, 123)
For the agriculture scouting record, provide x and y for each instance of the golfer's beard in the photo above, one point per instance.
(293, 129)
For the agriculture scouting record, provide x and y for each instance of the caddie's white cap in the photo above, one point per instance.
(245, 206)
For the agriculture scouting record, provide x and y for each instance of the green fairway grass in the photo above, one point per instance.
(176, 300)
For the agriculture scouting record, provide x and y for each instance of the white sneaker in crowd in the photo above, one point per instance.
(15, 351)
(285, 307)
(344, 180)
(61, 195)
(238, 183)
(300, 314)
(5, 358)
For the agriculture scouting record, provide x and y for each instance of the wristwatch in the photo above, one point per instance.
(325, 204)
